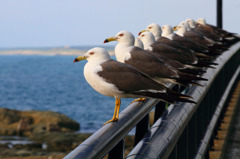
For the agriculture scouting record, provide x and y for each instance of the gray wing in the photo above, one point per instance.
(151, 65)
(126, 78)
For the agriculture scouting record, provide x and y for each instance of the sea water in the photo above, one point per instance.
(53, 83)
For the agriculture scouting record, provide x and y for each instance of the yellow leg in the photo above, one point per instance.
(116, 111)
(139, 99)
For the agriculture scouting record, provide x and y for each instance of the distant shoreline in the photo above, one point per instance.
(50, 51)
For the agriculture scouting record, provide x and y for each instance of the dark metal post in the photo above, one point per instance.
(118, 151)
(219, 13)
(141, 128)
(159, 109)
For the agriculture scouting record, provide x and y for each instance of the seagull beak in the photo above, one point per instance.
(110, 39)
(79, 58)
(141, 32)
(175, 28)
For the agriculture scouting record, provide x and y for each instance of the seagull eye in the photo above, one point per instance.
(149, 27)
(162, 27)
(143, 35)
(91, 53)
(120, 34)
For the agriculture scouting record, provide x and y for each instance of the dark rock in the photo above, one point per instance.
(25, 123)
(8, 116)
(59, 141)
(23, 153)
(3, 146)
(30, 146)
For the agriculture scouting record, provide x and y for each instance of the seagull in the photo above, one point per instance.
(183, 29)
(145, 61)
(155, 46)
(161, 47)
(226, 36)
(196, 47)
(147, 38)
(167, 32)
(156, 30)
(186, 58)
(120, 80)
(203, 31)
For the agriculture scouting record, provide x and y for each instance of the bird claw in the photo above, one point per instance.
(139, 99)
(111, 120)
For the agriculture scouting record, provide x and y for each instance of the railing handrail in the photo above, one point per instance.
(168, 130)
(203, 146)
(102, 141)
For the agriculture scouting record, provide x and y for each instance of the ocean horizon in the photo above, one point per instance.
(53, 83)
(58, 50)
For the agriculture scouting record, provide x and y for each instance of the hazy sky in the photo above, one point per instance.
(43, 23)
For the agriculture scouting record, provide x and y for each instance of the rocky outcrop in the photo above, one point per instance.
(26, 123)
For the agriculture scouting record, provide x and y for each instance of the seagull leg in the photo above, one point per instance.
(118, 103)
(139, 99)
(116, 111)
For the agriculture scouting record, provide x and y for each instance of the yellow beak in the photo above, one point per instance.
(175, 28)
(141, 32)
(79, 58)
(110, 39)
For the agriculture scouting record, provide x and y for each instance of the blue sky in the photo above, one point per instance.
(50, 23)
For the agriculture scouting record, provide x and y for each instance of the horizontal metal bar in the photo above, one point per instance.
(102, 141)
(210, 129)
(164, 134)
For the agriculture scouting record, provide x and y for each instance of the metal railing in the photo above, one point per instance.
(177, 132)
(180, 131)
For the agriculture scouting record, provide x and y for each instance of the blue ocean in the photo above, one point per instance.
(53, 83)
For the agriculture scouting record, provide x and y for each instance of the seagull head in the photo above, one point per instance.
(95, 54)
(191, 23)
(122, 37)
(155, 29)
(147, 37)
(181, 27)
(201, 21)
(167, 30)
(187, 26)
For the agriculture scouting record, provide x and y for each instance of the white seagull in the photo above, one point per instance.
(119, 80)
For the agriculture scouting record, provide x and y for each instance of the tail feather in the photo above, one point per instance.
(189, 77)
(194, 83)
(207, 62)
(192, 71)
(203, 65)
(179, 97)
(201, 55)
(182, 83)
(170, 96)
(214, 52)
